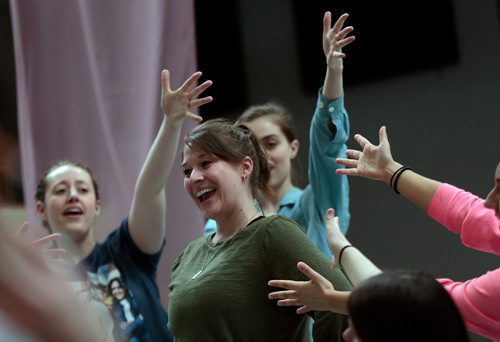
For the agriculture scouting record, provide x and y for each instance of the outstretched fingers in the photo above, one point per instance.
(43, 241)
(339, 23)
(382, 135)
(194, 102)
(287, 297)
(327, 23)
(291, 285)
(190, 81)
(165, 81)
(178, 104)
(351, 163)
(314, 276)
(23, 229)
(336, 38)
(361, 140)
(342, 41)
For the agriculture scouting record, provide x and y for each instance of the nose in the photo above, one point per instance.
(73, 194)
(196, 175)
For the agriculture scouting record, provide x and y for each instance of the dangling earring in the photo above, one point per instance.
(243, 177)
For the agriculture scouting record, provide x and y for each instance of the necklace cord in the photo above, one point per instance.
(205, 263)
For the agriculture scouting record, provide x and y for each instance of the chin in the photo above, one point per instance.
(209, 213)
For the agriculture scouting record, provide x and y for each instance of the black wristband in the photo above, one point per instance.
(395, 184)
(342, 251)
(394, 174)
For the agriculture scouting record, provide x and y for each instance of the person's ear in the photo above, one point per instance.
(246, 167)
(294, 148)
(98, 207)
(40, 209)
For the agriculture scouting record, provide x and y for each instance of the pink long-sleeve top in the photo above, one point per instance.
(478, 299)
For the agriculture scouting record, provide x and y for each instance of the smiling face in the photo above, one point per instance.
(70, 205)
(279, 150)
(215, 185)
(493, 199)
(117, 289)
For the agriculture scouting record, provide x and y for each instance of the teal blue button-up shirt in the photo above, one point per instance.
(328, 137)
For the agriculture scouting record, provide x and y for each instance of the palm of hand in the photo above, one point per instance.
(333, 52)
(175, 104)
(372, 162)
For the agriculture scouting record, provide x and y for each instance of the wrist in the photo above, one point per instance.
(389, 171)
(173, 122)
(338, 301)
(342, 252)
(337, 242)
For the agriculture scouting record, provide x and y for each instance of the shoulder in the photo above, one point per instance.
(191, 248)
(278, 226)
(195, 244)
(274, 221)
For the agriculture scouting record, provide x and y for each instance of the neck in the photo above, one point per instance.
(76, 251)
(228, 228)
(271, 203)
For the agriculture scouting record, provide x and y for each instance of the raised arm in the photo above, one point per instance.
(147, 214)
(329, 133)
(355, 264)
(334, 39)
(376, 162)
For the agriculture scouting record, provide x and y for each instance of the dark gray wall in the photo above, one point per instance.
(443, 123)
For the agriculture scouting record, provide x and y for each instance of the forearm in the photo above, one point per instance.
(357, 266)
(147, 214)
(416, 188)
(328, 135)
(333, 84)
(159, 161)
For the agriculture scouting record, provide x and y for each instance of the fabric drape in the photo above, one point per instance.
(88, 90)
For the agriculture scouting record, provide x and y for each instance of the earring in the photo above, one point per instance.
(243, 177)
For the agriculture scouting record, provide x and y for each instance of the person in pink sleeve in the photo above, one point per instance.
(476, 220)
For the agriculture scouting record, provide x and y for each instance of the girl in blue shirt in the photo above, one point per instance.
(272, 125)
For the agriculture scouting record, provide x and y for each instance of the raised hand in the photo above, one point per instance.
(177, 104)
(372, 162)
(309, 295)
(335, 38)
(336, 240)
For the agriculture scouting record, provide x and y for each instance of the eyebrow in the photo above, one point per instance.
(78, 182)
(201, 155)
(269, 136)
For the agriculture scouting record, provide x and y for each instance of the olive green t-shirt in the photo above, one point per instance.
(219, 292)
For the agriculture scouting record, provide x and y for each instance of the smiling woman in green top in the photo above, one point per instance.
(218, 287)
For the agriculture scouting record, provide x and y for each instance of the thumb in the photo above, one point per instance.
(382, 135)
(329, 215)
(165, 80)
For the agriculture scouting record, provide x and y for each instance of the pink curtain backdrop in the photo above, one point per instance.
(88, 88)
